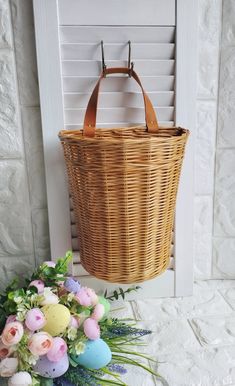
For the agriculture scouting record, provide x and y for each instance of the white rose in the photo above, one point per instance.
(8, 367)
(49, 297)
(20, 379)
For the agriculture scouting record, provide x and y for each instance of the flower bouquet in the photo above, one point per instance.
(56, 332)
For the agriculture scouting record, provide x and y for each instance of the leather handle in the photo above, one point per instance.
(91, 111)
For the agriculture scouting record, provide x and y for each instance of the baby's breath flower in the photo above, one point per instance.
(18, 299)
(72, 333)
(32, 360)
(71, 296)
(79, 348)
(20, 316)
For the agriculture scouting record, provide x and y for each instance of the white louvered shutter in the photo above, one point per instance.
(68, 34)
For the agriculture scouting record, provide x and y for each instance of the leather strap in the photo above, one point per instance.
(91, 111)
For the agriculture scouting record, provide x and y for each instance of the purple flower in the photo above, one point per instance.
(117, 368)
(72, 285)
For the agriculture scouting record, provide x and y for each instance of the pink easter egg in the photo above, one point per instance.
(91, 329)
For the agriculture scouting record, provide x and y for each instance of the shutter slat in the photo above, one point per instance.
(124, 84)
(93, 68)
(119, 99)
(91, 34)
(113, 12)
(106, 115)
(92, 51)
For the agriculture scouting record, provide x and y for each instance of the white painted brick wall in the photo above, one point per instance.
(24, 236)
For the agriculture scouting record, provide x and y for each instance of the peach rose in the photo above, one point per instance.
(40, 343)
(5, 351)
(12, 333)
(8, 367)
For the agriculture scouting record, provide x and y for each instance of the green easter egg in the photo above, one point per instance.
(57, 318)
(105, 303)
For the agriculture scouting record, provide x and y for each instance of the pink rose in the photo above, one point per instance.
(11, 318)
(83, 298)
(39, 284)
(8, 367)
(12, 333)
(91, 329)
(35, 319)
(58, 350)
(98, 312)
(5, 351)
(40, 343)
(93, 296)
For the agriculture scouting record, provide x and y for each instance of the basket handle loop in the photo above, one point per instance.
(91, 111)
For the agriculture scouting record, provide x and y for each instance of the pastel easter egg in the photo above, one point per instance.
(48, 369)
(57, 318)
(105, 303)
(97, 354)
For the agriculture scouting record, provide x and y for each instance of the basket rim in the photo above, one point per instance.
(77, 134)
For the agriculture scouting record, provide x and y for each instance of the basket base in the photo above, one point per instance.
(128, 279)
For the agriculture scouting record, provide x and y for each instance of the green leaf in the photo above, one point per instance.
(72, 362)
(115, 294)
(46, 382)
(122, 293)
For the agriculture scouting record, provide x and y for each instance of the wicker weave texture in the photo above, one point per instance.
(124, 184)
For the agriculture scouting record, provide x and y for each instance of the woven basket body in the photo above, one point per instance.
(124, 184)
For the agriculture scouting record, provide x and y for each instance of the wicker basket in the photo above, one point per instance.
(123, 183)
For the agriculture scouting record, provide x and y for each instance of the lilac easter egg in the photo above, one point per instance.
(49, 369)
(97, 354)
(72, 285)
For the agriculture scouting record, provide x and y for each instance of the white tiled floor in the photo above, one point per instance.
(193, 338)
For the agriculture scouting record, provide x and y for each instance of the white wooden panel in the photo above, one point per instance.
(162, 286)
(113, 12)
(93, 68)
(47, 39)
(82, 42)
(110, 34)
(117, 51)
(119, 99)
(158, 83)
(185, 116)
(107, 115)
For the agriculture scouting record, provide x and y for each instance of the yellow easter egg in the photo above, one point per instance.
(57, 318)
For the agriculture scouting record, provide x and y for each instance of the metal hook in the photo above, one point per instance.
(130, 64)
(102, 54)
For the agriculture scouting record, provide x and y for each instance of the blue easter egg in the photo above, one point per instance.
(97, 354)
(49, 369)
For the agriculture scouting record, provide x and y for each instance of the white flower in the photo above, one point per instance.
(49, 297)
(22, 378)
(71, 296)
(20, 316)
(18, 299)
(79, 348)
(8, 367)
(72, 333)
